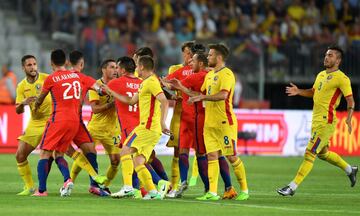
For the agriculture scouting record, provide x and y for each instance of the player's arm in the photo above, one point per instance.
(350, 107)
(26, 101)
(293, 90)
(40, 99)
(98, 108)
(164, 105)
(222, 95)
(124, 99)
(176, 84)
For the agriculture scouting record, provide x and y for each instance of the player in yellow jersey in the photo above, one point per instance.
(326, 92)
(26, 92)
(141, 141)
(104, 116)
(220, 128)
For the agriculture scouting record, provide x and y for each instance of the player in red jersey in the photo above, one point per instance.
(65, 88)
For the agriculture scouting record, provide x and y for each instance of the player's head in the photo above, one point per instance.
(143, 51)
(126, 65)
(186, 48)
(198, 48)
(76, 58)
(199, 62)
(29, 65)
(145, 64)
(218, 53)
(58, 58)
(333, 57)
(109, 69)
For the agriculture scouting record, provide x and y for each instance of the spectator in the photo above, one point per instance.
(7, 86)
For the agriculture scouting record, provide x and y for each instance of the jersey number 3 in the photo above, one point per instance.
(76, 89)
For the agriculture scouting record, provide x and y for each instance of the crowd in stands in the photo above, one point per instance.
(284, 29)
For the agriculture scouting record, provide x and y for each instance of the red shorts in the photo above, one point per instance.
(186, 139)
(198, 129)
(58, 135)
(125, 133)
(82, 136)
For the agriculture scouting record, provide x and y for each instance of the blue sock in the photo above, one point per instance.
(202, 163)
(63, 167)
(183, 166)
(155, 177)
(43, 172)
(135, 181)
(159, 168)
(225, 172)
(92, 159)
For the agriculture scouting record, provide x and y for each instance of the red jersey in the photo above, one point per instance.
(65, 88)
(128, 115)
(86, 81)
(180, 74)
(194, 82)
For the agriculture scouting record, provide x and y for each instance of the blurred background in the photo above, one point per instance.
(272, 42)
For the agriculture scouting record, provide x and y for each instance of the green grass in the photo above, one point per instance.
(326, 191)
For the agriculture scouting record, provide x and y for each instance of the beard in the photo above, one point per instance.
(32, 73)
(212, 64)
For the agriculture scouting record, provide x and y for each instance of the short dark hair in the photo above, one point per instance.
(147, 62)
(105, 63)
(198, 48)
(337, 49)
(75, 57)
(26, 57)
(220, 49)
(144, 51)
(188, 44)
(202, 58)
(58, 57)
(127, 63)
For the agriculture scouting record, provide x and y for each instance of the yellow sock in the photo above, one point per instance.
(334, 159)
(25, 173)
(145, 177)
(213, 173)
(75, 170)
(80, 159)
(175, 173)
(305, 167)
(111, 173)
(195, 169)
(239, 170)
(127, 169)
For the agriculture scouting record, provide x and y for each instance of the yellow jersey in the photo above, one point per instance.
(221, 112)
(328, 88)
(25, 90)
(107, 118)
(174, 68)
(149, 107)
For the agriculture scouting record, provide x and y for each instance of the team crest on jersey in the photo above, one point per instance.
(38, 88)
(216, 78)
(329, 77)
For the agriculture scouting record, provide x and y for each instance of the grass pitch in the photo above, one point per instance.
(326, 191)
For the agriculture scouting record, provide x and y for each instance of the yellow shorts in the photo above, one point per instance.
(320, 137)
(109, 139)
(222, 139)
(33, 133)
(143, 140)
(175, 126)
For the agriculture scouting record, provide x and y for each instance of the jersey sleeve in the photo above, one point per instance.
(48, 83)
(93, 96)
(87, 81)
(227, 81)
(189, 81)
(345, 86)
(175, 74)
(19, 94)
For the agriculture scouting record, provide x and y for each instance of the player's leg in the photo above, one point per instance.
(23, 151)
(174, 142)
(62, 164)
(158, 166)
(194, 172)
(202, 163)
(229, 192)
(110, 143)
(43, 172)
(184, 169)
(335, 159)
(239, 171)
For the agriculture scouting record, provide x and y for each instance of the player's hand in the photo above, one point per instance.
(196, 98)
(348, 122)
(292, 90)
(28, 100)
(175, 84)
(106, 89)
(164, 82)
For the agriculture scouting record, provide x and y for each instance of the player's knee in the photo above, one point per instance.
(115, 161)
(20, 156)
(231, 158)
(323, 156)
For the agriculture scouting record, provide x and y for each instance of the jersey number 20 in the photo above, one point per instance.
(76, 87)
